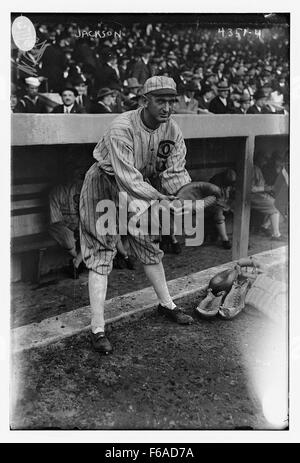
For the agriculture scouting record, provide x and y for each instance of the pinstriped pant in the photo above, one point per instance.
(98, 251)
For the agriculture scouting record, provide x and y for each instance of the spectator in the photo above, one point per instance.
(221, 104)
(84, 102)
(251, 88)
(108, 75)
(133, 86)
(31, 102)
(69, 105)
(235, 100)
(54, 62)
(244, 104)
(124, 69)
(187, 103)
(205, 98)
(142, 69)
(172, 68)
(13, 100)
(259, 106)
(105, 101)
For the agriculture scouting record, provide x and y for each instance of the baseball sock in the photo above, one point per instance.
(97, 294)
(156, 274)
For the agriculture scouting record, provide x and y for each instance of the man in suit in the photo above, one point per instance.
(187, 103)
(80, 84)
(259, 106)
(70, 105)
(221, 104)
(108, 75)
(105, 101)
(141, 69)
(30, 102)
(206, 95)
(244, 104)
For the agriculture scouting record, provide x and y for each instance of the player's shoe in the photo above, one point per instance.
(176, 315)
(234, 302)
(210, 305)
(101, 343)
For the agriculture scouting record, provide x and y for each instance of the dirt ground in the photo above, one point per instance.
(160, 376)
(57, 293)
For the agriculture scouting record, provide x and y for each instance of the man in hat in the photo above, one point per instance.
(222, 104)
(206, 95)
(69, 105)
(108, 74)
(259, 106)
(141, 69)
(30, 102)
(172, 68)
(138, 146)
(187, 103)
(244, 104)
(80, 84)
(105, 101)
(133, 87)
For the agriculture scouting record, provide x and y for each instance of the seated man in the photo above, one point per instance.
(64, 220)
(264, 203)
(31, 102)
(105, 101)
(225, 180)
(69, 105)
(187, 103)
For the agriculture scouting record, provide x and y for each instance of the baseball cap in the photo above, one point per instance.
(160, 85)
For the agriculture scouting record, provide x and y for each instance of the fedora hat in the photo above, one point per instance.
(104, 92)
(70, 88)
(132, 82)
(244, 98)
(259, 94)
(191, 87)
(205, 89)
(223, 87)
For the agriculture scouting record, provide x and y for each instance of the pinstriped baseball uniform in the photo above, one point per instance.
(129, 156)
(64, 214)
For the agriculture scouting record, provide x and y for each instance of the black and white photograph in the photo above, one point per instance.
(149, 221)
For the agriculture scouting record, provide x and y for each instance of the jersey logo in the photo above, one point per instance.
(164, 148)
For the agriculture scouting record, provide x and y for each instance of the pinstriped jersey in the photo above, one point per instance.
(136, 156)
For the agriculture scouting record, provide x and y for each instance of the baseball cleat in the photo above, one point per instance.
(234, 302)
(210, 305)
(101, 343)
(177, 315)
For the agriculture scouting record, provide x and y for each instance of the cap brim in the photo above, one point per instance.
(163, 91)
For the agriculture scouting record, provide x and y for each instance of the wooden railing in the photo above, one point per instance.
(56, 129)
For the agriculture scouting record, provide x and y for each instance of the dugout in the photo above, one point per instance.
(44, 146)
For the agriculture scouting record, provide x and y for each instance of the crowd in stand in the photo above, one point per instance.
(106, 73)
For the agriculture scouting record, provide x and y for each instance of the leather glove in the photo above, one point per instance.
(206, 191)
(198, 190)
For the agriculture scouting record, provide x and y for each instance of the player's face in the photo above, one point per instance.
(160, 107)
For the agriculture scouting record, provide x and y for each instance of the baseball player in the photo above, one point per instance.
(137, 146)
